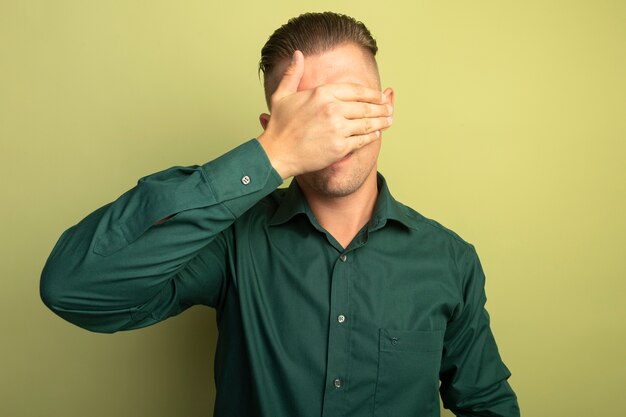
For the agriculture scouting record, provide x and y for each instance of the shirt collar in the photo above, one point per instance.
(292, 203)
(387, 208)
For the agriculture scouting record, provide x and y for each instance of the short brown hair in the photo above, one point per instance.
(311, 33)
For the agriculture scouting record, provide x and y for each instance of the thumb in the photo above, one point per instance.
(291, 77)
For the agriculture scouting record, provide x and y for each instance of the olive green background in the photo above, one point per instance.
(510, 129)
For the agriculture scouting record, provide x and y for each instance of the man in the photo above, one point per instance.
(332, 298)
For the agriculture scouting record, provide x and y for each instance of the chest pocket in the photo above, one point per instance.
(408, 373)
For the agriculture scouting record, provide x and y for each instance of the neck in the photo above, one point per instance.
(344, 216)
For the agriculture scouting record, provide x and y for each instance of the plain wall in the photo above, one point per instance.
(510, 128)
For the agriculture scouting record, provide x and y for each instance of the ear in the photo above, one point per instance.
(389, 93)
(264, 118)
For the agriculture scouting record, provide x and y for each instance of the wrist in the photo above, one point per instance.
(268, 145)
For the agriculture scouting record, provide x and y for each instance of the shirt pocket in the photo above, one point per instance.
(408, 373)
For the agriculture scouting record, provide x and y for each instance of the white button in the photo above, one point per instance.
(245, 180)
(337, 383)
(343, 258)
(341, 318)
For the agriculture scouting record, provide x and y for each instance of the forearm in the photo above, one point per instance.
(114, 269)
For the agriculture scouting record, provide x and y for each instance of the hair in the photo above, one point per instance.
(312, 34)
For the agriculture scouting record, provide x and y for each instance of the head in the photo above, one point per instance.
(312, 34)
(337, 49)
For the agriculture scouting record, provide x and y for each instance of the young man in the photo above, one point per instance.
(332, 298)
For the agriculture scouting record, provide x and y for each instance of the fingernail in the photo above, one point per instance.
(384, 97)
(389, 108)
(390, 120)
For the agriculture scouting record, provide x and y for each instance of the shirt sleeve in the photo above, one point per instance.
(473, 376)
(117, 270)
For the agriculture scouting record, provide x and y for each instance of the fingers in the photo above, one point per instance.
(366, 126)
(359, 141)
(291, 77)
(357, 92)
(358, 110)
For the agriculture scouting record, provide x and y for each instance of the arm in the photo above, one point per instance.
(116, 269)
(473, 376)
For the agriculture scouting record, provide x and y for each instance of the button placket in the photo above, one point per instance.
(338, 359)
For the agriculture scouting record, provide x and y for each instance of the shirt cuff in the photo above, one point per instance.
(241, 177)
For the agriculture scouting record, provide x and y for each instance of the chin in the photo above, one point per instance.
(330, 183)
(335, 191)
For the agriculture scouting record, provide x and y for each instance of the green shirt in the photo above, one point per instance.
(306, 328)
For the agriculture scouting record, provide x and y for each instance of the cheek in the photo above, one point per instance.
(370, 152)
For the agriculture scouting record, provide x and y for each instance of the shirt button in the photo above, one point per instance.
(341, 318)
(394, 341)
(337, 383)
(245, 180)
(343, 258)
